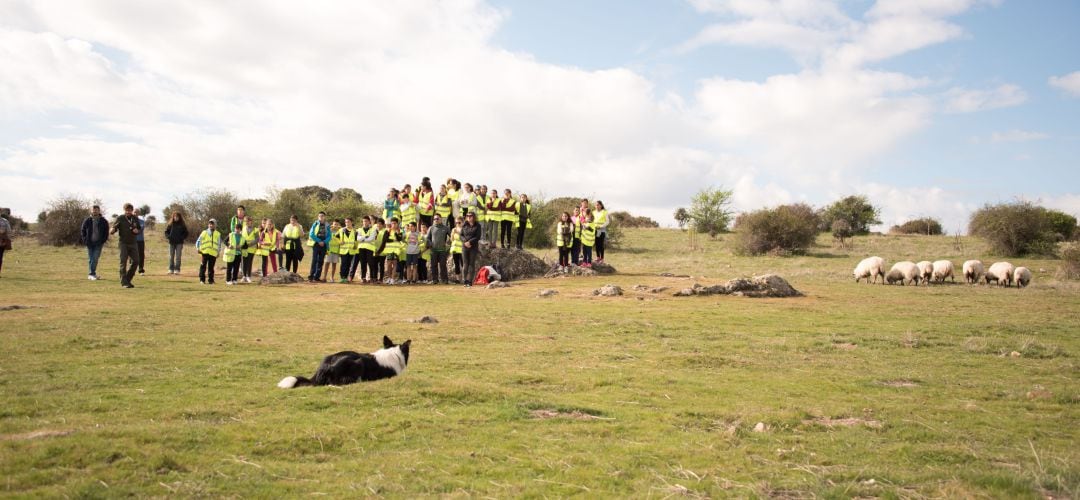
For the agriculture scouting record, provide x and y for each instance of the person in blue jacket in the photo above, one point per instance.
(141, 241)
(94, 234)
(318, 239)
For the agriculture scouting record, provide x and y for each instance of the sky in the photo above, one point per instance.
(927, 107)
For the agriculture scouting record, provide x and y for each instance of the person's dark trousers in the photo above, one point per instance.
(587, 251)
(93, 253)
(600, 239)
(521, 237)
(2, 259)
(457, 265)
(292, 260)
(346, 266)
(232, 270)
(362, 262)
(564, 256)
(469, 255)
(249, 260)
(575, 251)
(438, 266)
(142, 255)
(506, 235)
(421, 270)
(318, 255)
(400, 269)
(450, 221)
(206, 268)
(129, 256)
(176, 251)
(378, 269)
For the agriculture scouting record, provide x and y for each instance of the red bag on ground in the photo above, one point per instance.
(481, 277)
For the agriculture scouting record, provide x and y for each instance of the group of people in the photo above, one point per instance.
(417, 233)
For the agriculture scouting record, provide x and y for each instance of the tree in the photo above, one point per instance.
(63, 220)
(144, 209)
(682, 217)
(841, 230)
(925, 225)
(784, 230)
(708, 211)
(200, 206)
(1020, 228)
(856, 210)
(626, 219)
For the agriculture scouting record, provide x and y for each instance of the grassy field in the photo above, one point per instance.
(169, 389)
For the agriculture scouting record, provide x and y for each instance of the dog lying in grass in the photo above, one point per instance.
(347, 367)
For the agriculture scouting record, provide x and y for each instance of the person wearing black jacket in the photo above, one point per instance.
(94, 234)
(470, 242)
(176, 232)
(126, 227)
(438, 238)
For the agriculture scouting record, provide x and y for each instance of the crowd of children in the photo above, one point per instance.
(409, 242)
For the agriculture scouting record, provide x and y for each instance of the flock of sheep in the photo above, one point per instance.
(928, 272)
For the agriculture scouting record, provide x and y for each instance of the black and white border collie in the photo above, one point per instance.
(347, 367)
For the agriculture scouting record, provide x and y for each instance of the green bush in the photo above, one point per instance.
(925, 225)
(200, 206)
(1070, 261)
(856, 210)
(63, 220)
(1020, 228)
(625, 219)
(786, 229)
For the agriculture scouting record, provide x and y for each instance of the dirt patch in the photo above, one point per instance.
(15, 307)
(26, 436)
(768, 285)
(573, 415)
(845, 346)
(844, 422)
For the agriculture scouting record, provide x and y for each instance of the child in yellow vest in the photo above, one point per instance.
(333, 252)
(234, 254)
(209, 246)
(588, 239)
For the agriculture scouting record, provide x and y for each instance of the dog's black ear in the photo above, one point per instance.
(386, 342)
(405, 349)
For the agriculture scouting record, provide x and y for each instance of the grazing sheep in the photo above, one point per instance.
(926, 269)
(943, 269)
(973, 270)
(870, 266)
(1001, 272)
(903, 272)
(1022, 276)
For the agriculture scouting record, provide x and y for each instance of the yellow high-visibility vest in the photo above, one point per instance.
(347, 243)
(209, 242)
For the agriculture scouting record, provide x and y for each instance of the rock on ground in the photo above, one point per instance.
(547, 292)
(512, 264)
(426, 320)
(498, 284)
(282, 277)
(608, 291)
(769, 285)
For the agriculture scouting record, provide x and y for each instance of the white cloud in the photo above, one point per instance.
(1070, 83)
(961, 100)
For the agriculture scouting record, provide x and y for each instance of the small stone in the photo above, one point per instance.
(547, 292)
(608, 291)
(760, 427)
(1014, 354)
(426, 320)
(498, 284)
(685, 292)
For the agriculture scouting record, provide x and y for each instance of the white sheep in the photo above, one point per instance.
(973, 270)
(926, 269)
(943, 269)
(1022, 276)
(870, 266)
(903, 272)
(1001, 272)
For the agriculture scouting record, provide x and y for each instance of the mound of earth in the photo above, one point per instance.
(282, 277)
(596, 269)
(769, 285)
(512, 264)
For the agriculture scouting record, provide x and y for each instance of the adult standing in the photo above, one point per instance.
(524, 219)
(470, 242)
(600, 218)
(366, 244)
(126, 227)
(209, 246)
(438, 237)
(318, 239)
(176, 232)
(140, 241)
(5, 237)
(294, 251)
(94, 234)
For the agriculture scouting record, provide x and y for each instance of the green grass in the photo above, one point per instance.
(169, 389)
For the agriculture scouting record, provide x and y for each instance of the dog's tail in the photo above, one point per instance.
(292, 382)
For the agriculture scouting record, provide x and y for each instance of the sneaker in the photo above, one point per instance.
(227, 283)
(141, 272)
(128, 285)
(247, 279)
(90, 277)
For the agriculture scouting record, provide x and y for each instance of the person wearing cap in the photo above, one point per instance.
(209, 246)
(470, 243)
(126, 227)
